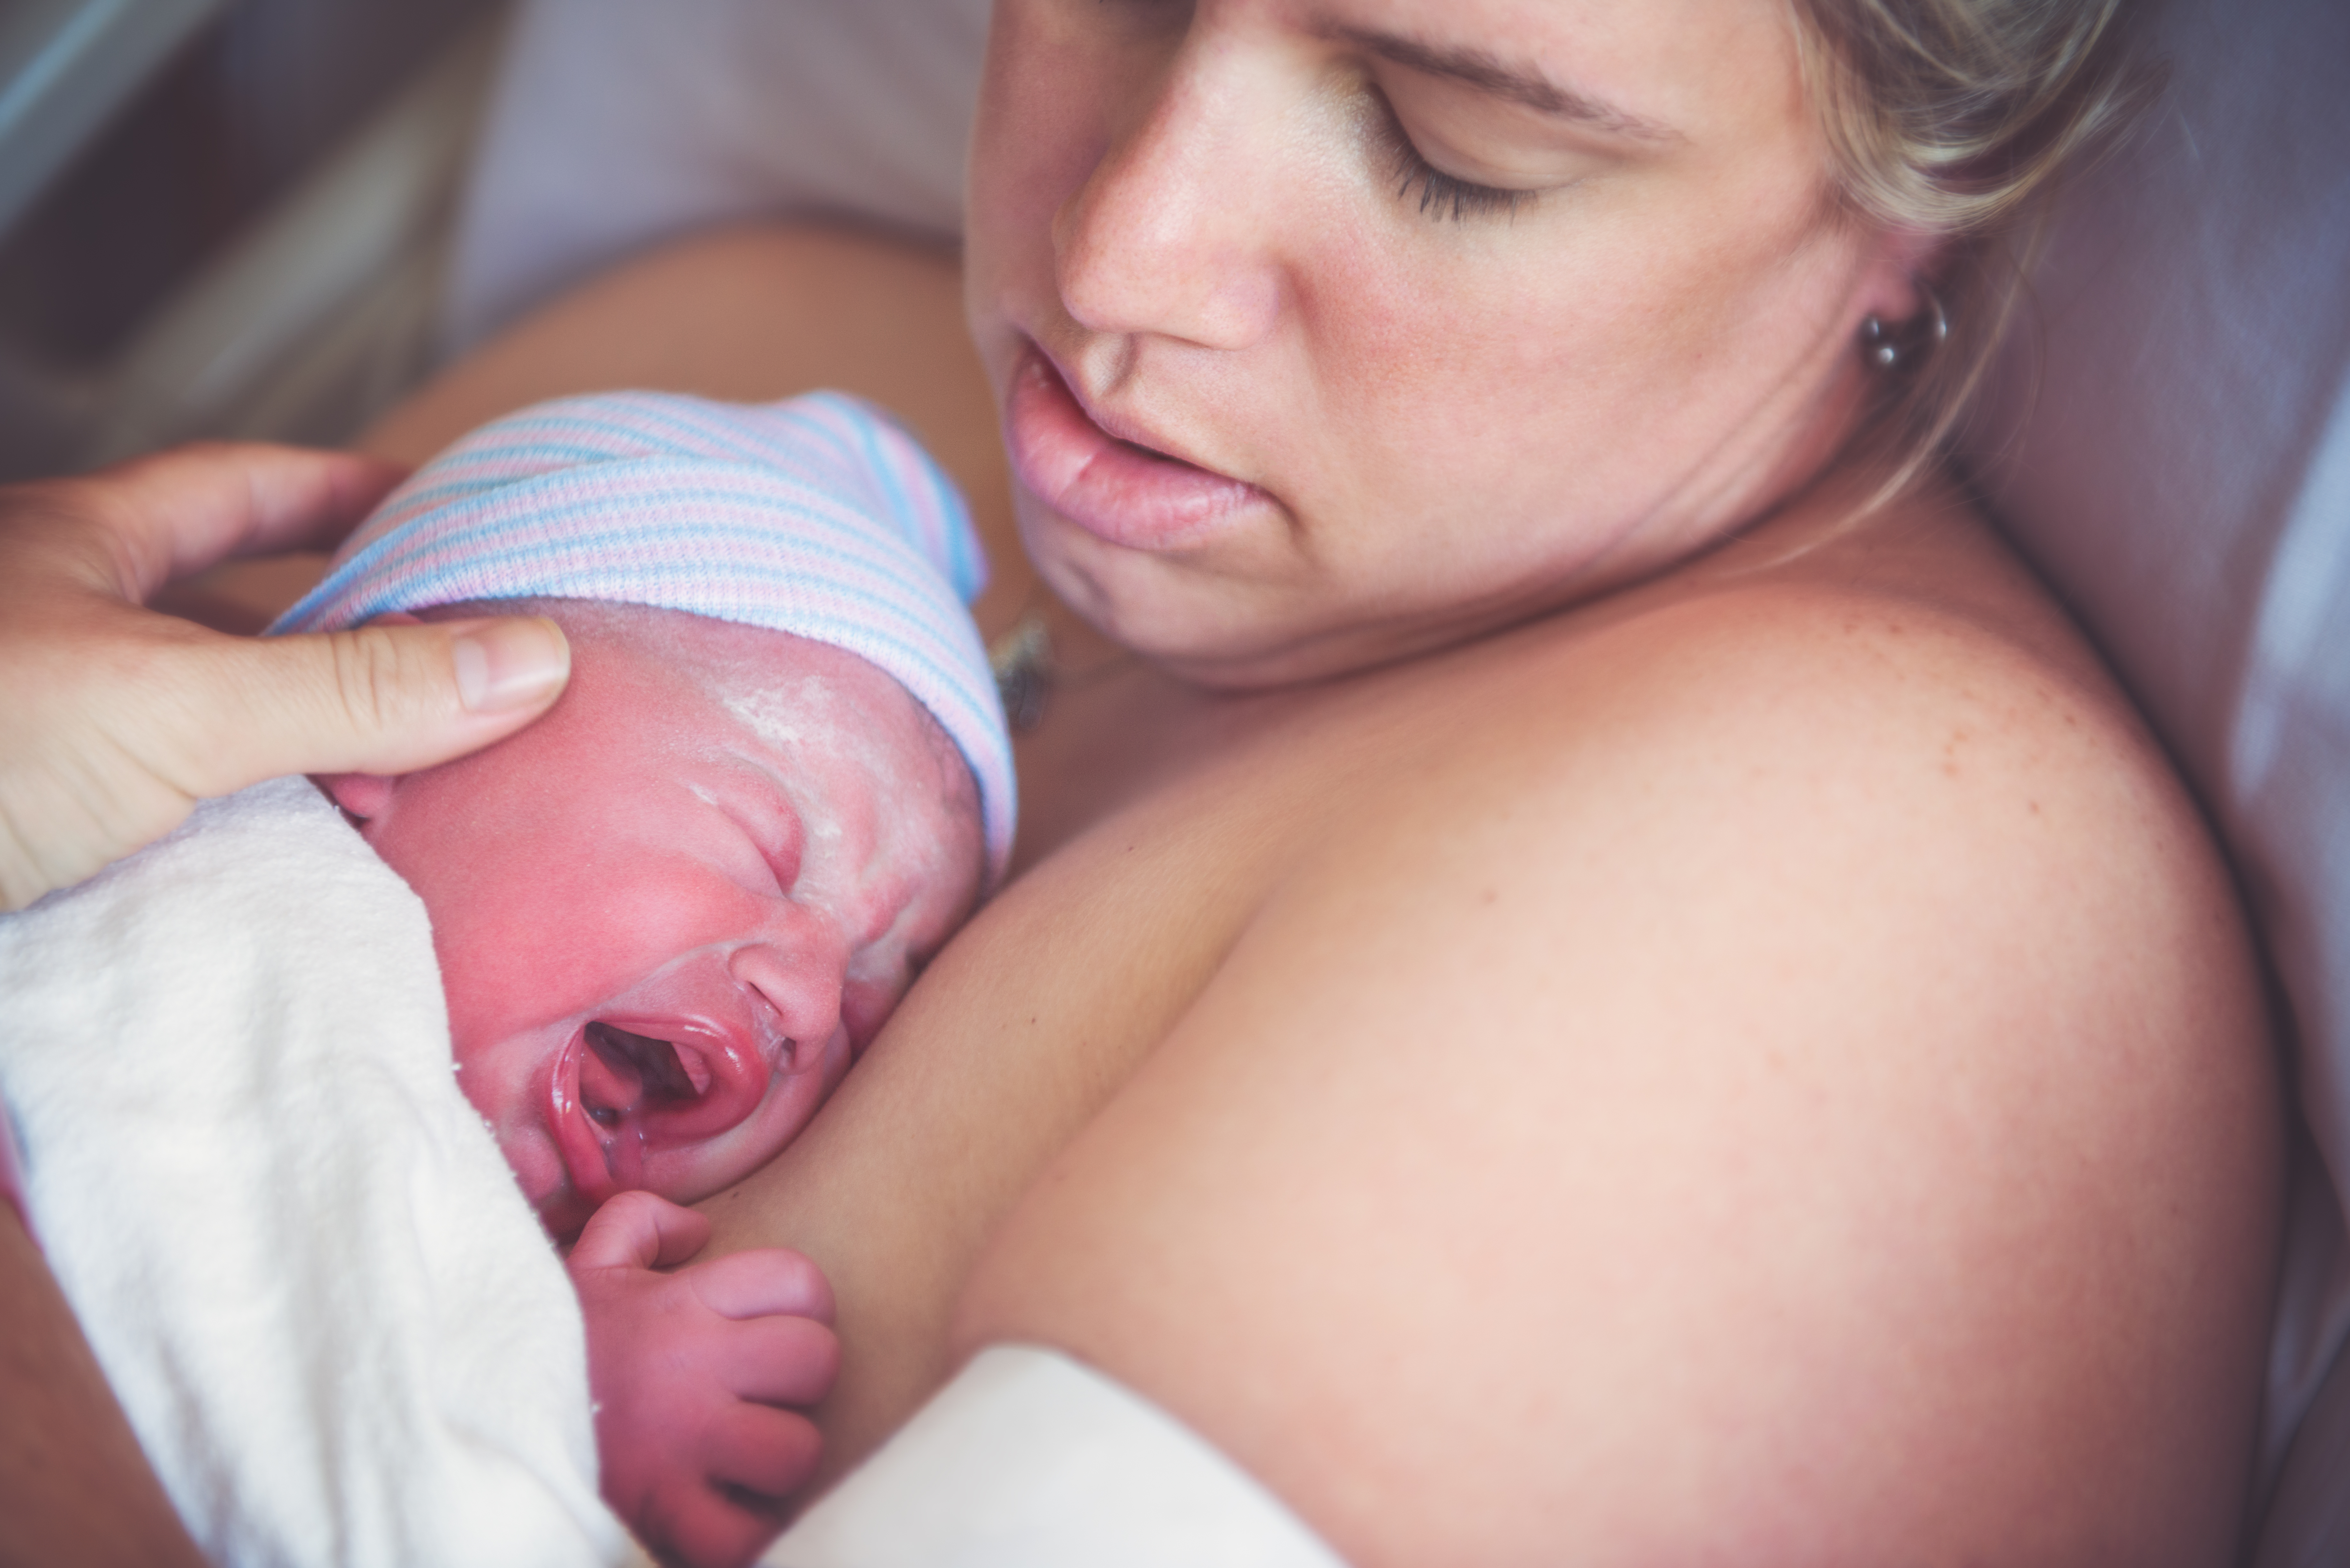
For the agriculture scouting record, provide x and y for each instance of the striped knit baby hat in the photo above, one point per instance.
(818, 516)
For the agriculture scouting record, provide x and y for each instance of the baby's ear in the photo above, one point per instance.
(363, 796)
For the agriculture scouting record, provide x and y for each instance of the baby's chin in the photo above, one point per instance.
(546, 1185)
(529, 1147)
(563, 1216)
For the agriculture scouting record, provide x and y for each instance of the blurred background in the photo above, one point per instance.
(223, 217)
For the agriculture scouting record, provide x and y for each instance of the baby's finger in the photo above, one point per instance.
(779, 1360)
(759, 1283)
(638, 1230)
(761, 1449)
(713, 1528)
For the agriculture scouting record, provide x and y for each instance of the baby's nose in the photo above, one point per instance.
(801, 979)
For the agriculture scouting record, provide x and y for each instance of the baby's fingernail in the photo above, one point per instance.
(503, 665)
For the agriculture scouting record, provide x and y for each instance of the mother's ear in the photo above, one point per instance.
(1889, 281)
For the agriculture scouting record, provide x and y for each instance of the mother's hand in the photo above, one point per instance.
(115, 719)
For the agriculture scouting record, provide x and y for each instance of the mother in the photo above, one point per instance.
(1615, 981)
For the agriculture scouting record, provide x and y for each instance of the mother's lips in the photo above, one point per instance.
(1119, 492)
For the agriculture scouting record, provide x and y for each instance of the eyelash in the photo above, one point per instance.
(1442, 195)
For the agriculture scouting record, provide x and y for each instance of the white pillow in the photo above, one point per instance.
(617, 123)
(2168, 439)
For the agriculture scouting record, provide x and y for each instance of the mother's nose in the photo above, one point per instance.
(1172, 234)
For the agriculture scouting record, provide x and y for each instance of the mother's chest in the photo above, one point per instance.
(1149, 845)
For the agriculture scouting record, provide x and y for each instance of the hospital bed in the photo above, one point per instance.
(2167, 438)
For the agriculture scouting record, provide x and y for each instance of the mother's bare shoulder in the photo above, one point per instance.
(1803, 1026)
(1837, 807)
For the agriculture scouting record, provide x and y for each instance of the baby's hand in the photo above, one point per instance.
(688, 1370)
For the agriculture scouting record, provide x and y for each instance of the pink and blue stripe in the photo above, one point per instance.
(818, 516)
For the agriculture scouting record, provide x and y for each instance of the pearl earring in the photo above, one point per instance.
(1886, 348)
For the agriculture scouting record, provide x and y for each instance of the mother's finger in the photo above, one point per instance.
(375, 699)
(114, 722)
(173, 513)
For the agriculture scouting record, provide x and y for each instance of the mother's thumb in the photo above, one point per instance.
(378, 699)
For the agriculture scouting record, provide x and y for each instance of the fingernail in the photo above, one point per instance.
(503, 665)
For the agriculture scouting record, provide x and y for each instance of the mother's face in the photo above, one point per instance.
(1453, 310)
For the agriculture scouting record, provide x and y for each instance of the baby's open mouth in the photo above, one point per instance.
(643, 1067)
(603, 1081)
(627, 1102)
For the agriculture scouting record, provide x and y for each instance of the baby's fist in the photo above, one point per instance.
(689, 1371)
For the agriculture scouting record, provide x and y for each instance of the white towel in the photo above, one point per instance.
(1030, 1458)
(335, 1324)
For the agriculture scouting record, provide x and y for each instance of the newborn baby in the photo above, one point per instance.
(669, 914)
(666, 918)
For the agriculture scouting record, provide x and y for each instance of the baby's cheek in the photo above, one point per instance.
(505, 976)
(506, 1084)
(866, 1005)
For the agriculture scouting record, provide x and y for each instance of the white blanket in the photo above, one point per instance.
(333, 1320)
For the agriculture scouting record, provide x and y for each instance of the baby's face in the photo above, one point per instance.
(671, 912)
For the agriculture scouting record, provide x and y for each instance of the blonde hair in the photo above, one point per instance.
(1954, 117)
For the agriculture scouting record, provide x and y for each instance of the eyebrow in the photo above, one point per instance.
(1519, 84)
